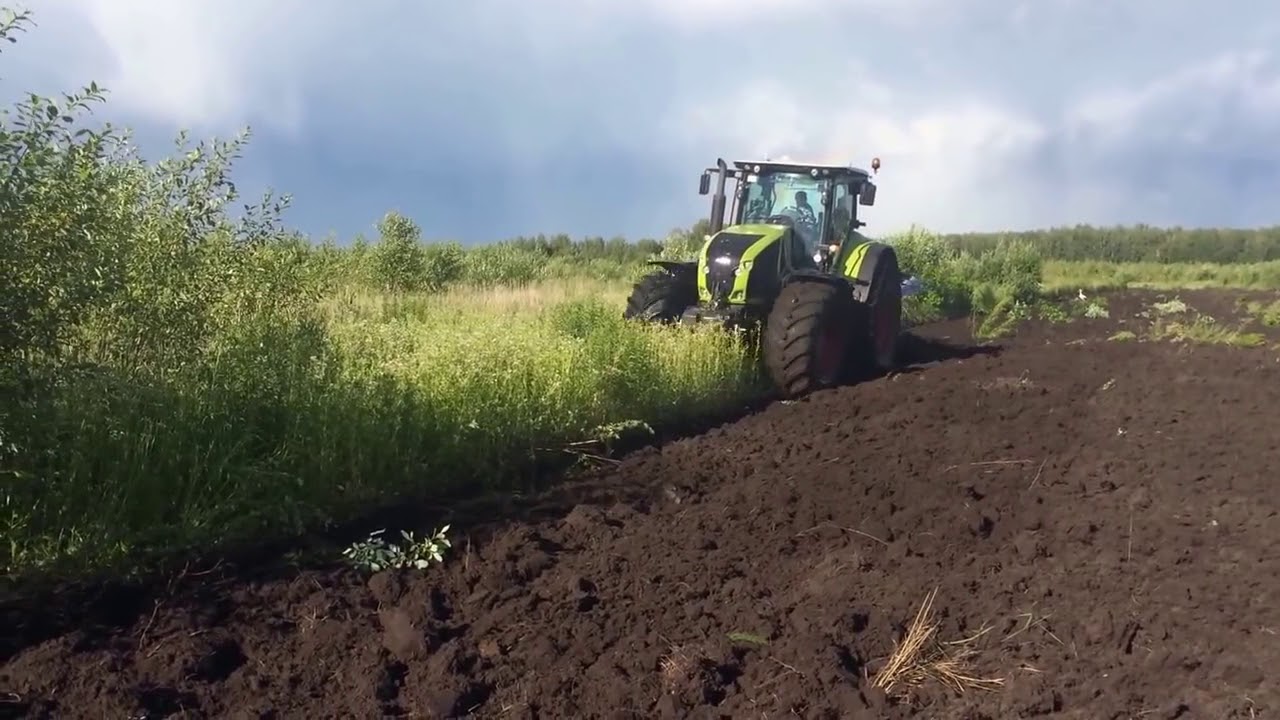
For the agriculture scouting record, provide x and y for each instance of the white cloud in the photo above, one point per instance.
(720, 14)
(598, 115)
(941, 157)
(1231, 87)
(205, 65)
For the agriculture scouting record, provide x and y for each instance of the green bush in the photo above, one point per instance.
(956, 282)
(399, 259)
(171, 376)
(492, 265)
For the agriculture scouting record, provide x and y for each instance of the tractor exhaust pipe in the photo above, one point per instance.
(718, 200)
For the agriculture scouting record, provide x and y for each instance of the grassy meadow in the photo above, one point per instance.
(174, 376)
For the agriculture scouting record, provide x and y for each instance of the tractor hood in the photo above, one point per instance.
(727, 259)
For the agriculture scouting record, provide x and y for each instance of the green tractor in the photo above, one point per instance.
(826, 300)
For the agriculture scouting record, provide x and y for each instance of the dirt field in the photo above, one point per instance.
(1097, 518)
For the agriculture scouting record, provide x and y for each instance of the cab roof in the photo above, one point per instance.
(813, 169)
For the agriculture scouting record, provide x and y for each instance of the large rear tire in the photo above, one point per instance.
(807, 337)
(662, 296)
(880, 327)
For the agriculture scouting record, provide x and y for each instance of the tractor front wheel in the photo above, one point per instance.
(807, 337)
(662, 296)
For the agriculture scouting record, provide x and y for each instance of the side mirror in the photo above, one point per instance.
(704, 185)
(867, 196)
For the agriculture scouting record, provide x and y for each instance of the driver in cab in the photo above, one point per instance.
(806, 219)
(804, 209)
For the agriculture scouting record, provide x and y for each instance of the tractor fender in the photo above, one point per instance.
(808, 275)
(861, 264)
(817, 276)
(675, 267)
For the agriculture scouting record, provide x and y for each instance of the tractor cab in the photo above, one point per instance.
(818, 202)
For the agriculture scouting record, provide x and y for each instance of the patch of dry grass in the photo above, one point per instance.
(1176, 321)
(1204, 330)
(687, 673)
(921, 656)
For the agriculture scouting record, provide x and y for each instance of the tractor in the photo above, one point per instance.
(824, 301)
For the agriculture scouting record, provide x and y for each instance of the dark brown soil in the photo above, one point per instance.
(1099, 514)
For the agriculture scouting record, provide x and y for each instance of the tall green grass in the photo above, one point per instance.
(284, 434)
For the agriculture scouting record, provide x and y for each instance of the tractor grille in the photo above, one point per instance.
(724, 255)
(720, 282)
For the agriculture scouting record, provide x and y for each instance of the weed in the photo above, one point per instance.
(375, 554)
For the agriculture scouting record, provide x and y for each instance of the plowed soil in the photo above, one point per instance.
(1097, 518)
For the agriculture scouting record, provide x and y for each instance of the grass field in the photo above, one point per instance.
(173, 377)
(1060, 275)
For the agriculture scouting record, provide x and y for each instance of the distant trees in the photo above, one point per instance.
(1139, 243)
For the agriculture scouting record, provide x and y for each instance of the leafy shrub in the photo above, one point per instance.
(956, 283)
(492, 265)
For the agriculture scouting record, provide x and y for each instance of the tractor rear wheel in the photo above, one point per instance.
(807, 337)
(661, 296)
(880, 325)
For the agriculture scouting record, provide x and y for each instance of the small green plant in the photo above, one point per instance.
(376, 554)
(1088, 307)
(1124, 336)
(1096, 311)
(1051, 312)
(611, 433)
(1267, 314)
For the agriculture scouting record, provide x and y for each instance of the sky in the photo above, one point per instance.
(485, 119)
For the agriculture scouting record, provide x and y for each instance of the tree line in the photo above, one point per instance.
(1134, 243)
(1138, 243)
